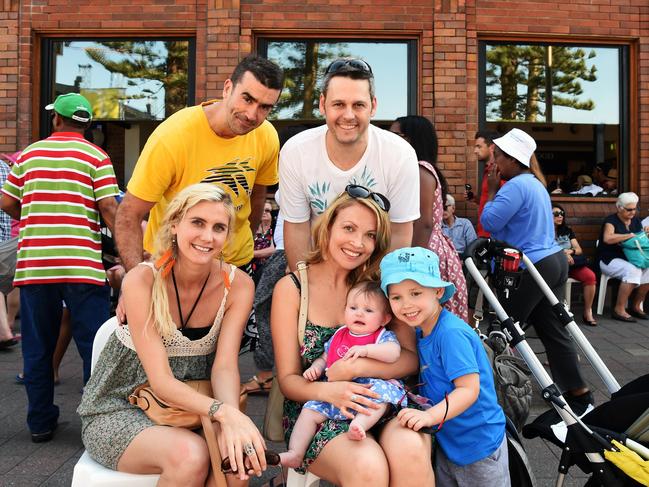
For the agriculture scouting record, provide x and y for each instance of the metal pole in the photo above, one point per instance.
(593, 357)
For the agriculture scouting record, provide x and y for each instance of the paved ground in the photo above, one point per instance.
(623, 347)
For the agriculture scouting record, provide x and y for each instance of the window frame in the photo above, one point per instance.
(412, 41)
(628, 171)
(46, 75)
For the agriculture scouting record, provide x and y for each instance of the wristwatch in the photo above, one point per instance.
(214, 408)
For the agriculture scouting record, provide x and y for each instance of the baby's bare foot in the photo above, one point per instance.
(356, 432)
(290, 459)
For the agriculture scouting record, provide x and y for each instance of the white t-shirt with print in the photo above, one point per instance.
(309, 181)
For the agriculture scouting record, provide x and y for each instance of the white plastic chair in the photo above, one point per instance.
(601, 293)
(568, 290)
(295, 479)
(87, 472)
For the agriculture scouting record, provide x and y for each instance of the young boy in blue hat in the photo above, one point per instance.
(455, 371)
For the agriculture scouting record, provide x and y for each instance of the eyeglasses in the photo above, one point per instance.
(630, 210)
(354, 64)
(358, 191)
(559, 213)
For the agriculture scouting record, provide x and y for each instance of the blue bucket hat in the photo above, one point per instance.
(416, 263)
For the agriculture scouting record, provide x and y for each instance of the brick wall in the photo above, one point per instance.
(8, 75)
(21, 31)
(448, 33)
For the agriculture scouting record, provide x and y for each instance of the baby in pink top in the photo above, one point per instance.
(367, 311)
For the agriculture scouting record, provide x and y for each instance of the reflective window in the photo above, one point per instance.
(305, 61)
(573, 99)
(552, 83)
(123, 79)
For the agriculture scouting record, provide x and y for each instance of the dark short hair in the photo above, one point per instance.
(369, 288)
(266, 72)
(605, 167)
(421, 134)
(488, 135)
(72, 123)
(351, 73)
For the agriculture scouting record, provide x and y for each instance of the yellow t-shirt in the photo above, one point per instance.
(184, 150)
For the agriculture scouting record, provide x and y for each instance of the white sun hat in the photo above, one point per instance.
(517, 144)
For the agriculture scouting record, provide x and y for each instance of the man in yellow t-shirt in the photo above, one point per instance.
(229, 143)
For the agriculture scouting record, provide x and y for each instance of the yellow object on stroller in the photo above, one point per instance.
(587, 436)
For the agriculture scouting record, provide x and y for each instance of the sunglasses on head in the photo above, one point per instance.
(354, 64)
(559, 213)
(358, 191)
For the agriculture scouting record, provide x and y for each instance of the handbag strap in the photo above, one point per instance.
(213, 449)
(304, 301)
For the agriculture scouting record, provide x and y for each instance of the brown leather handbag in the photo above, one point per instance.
(165, 414)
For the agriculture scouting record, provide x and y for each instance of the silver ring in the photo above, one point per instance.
(353, 397)
(248, 449)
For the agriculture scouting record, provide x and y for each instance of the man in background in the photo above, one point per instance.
(459, 230)
(57, 189)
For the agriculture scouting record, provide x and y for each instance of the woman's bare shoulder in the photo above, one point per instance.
(241, 282)
(287, 285)
(139, 275)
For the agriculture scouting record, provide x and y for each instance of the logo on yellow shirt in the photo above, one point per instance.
(232, 175)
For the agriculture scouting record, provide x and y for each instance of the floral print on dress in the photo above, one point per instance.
(450, 266)
(315, 337)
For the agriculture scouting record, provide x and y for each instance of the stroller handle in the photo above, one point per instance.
(484, 249)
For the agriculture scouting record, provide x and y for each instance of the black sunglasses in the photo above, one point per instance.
(358, 191)
(354, 64)
(630, 210)
(559, 213)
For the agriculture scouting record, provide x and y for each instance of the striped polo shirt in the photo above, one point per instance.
(58, 181)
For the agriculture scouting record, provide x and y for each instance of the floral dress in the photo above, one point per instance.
(315, 337)
(450, 266)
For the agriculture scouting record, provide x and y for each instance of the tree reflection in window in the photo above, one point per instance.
(125, 79)
(550, 83)
(304, 63)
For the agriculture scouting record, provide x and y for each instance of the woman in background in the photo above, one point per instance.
(578, 268)
(427, 231)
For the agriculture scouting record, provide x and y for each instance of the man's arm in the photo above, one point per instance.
(128, 229)
(257, 202)
(401, 235)
(297, 242)
(10, 206)
(108, 207)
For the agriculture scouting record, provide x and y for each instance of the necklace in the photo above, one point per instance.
(180, 310)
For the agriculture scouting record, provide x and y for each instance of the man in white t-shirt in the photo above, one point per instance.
(317, 164)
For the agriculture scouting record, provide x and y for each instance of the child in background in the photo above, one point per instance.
(363, 335)
(455, 373)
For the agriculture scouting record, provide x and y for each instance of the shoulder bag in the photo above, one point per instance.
(511, 377)
(164, 414)
(273, 429)
(636, 250)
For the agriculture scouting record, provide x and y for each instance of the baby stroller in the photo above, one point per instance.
(604, 443)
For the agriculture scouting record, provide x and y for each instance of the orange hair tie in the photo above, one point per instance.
(165, 262)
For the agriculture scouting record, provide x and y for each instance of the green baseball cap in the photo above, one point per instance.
(72, 105)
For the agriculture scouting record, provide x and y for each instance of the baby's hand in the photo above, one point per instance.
(313, 373)
(355, 352)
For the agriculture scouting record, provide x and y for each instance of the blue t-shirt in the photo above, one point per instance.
(452, 350)
(521, 215)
